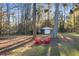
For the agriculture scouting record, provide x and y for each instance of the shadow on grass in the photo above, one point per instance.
(66, 50)
(37, 51)
(70, 48)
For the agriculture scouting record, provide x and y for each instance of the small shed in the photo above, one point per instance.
(46, 30)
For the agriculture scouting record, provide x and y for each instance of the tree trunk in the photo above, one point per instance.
(18, 20)
(54, 47)
(48, 14)
(74, 21)
(64, 19)
(0, 20)
(34, 20)
(8, 18)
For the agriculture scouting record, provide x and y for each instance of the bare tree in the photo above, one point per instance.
(8, 18)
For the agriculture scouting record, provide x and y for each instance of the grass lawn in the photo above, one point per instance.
(37, 51)
(71, 48)
(40, 50)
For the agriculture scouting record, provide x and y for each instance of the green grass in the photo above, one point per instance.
(37, 51)
(67, 52)
(71, 34)
(69, 49)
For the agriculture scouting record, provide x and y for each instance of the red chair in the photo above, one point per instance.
(37, 40)
(47, 40)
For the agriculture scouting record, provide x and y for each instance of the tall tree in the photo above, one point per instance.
(0, 19)
(60, 22)
(18, 17)
(72, 12)
(25, 16)
(49, 13)
(34, 20)
(8, 18)
(39, 11)
(64, 5)
(54, 48)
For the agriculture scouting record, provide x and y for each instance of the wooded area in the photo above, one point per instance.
(29, 19)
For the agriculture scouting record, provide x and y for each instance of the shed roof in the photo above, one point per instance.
(47, 28)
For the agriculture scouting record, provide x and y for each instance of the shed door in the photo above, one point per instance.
(47, 31)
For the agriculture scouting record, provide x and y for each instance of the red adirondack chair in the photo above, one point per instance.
(47, 40)
(37, 40)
